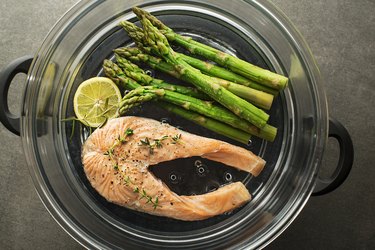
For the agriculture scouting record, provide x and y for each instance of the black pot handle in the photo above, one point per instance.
(20, 65)
(337, 131)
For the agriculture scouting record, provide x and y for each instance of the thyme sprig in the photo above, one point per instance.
(119, 140)
(127, 180)
(109, 152)
(142, 192)
(176, 138)
(158, 143)
(115, 167)
(82, 122)
(149, 199)
(152, 144)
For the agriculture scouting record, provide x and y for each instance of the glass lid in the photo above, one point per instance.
(256, 31)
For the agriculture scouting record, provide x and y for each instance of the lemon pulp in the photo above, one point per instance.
(96, 100)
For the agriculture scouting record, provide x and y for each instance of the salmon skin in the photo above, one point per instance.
(116, 158)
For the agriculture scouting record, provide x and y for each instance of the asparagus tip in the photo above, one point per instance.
(140, 12)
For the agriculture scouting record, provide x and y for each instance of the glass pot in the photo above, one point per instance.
(253, 30)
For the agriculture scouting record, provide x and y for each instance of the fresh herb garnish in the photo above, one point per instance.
(109, 152)
(158, 142)
(145, 141)
(129, 131)
(154, 202)
(127, 180)
(155, 143)
(73, 120)
(119, 140)
(176, 138)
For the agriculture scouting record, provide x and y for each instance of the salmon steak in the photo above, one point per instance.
(116, 160)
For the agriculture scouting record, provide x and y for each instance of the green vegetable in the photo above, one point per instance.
(136, 34)
(235, 64)
(114, 72)
(136, 97)
(211, 124)
(133, 71)
(223, 73)
(160, 46)
(259, 98)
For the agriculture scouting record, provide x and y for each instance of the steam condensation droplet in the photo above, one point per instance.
(150, 73)
(228, 176)
(197, 163)
(165, 120)
(174, 178)
(201, 170)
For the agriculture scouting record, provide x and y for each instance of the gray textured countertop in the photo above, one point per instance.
(341, 34)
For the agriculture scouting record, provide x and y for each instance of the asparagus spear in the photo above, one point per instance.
(207, 109)
(259, 98)
(211, 124)
(160, 46)
(115, 73)
(133, 71)
(147, 93)
(136, 34)
(223, 73)
(131, 99)
(237, 65)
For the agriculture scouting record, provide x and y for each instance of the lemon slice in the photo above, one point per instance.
(96, 100)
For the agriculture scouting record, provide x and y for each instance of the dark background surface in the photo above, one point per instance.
(341, 35)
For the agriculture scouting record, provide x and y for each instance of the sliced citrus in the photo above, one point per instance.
(96, 100)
